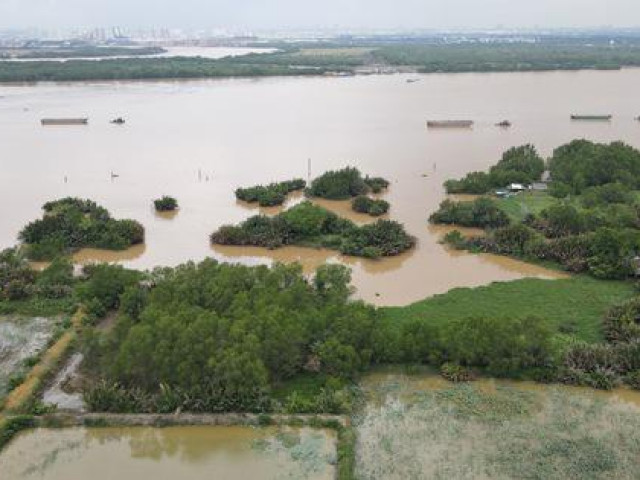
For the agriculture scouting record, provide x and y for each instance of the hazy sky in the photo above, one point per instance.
(256, 14)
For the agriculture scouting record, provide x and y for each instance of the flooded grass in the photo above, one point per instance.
(488, 431)
(20, 340)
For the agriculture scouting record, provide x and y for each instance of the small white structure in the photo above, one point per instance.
(516, 187)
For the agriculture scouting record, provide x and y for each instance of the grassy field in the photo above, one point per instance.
(483, 431)
(519, 206)
(577, 304)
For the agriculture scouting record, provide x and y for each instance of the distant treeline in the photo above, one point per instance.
(85, 51)
(427, 57)
(509, 57)
(144, 68)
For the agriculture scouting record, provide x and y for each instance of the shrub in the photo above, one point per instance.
(456, 373)
(383, 238)
(482, 212)
(610, 193)
(376, 184)
(344, 184)
(165, 204)
(272, 194)
(310, 224)
(364, 204)
(73, 223)
(104, 284)
(622, 322)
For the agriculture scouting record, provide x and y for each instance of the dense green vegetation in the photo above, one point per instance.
(72, 223)
(272, 194)
(597, 232)
(502, 57)
(313, 59)
(581, 164)
(518, 165)
(311, 225)
(562, 330)
(165, 204)
(344, 184)
(370, 206)
(481, 213)
(149, 68)
(24, 290)
(214, 337)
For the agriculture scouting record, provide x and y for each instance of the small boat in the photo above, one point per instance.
(449, 123)
(118, 121)
(412, 80)
(64, 121)
(504, 123)
(591, 117)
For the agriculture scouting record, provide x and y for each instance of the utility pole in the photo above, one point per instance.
(309, 170)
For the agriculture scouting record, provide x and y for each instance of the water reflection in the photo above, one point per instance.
(168, 215)
(93, 255)
(193, 452)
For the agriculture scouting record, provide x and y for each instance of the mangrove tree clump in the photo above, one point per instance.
(482, 212)
(165, 204)
(344, 184)
(373, 207)
(518, 165)
(272, 194)
(581, 164)
(214, 337)
(73, 223)
(307, 224)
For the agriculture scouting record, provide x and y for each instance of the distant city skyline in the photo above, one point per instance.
(306, 14)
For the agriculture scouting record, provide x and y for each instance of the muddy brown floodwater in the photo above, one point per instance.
(199, 140)
(187, 453)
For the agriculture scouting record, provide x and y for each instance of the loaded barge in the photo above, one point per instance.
(591, 117)
(449, 123)
(64, 121)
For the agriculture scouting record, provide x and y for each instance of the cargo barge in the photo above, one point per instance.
(449, 123)
(591, 117)
(64, 121)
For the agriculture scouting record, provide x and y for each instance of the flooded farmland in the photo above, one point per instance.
(189, 453)
(20, 338)
(421, 426)
(199, 140)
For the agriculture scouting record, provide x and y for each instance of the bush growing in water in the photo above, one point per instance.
(309, 224)
(344, 184)
(165, 204)
(483, 212)
(272, 194)
(364, 204)
(73, 223)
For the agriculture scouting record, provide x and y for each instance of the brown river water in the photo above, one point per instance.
(187, 453)
(199, 140)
